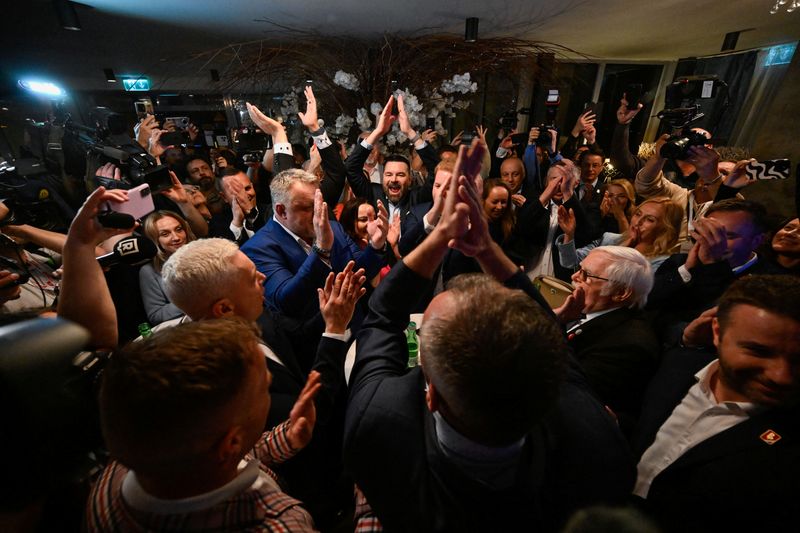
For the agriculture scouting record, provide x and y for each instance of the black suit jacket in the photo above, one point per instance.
(619, 353)
(733, 481)
(362, 187)
(575, 457)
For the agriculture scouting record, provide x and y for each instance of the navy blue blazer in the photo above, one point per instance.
(293, 276)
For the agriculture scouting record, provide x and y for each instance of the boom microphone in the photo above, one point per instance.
(133, 250)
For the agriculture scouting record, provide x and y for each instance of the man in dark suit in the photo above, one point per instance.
(299, 246)
(395, 191)
(726, 240)
(719, 437)
(242, 215)
(497, 427)
(591, 164)
(614, 344)
(211, 278)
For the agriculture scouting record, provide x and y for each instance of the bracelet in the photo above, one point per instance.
(322, 252)
(319, 132)
(415, 138)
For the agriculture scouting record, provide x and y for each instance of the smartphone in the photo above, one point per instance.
(775, 169)
(395, 109)
(633, 94)
(182, 123)
(520, 139)
(138, 205)
(158, 179)
(175, 138)
(467, 136)
(430, 123)
(590, 106)
(143, 108)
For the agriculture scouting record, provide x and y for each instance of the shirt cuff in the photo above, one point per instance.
(344, 337)
(322, 141)
(366, 145)
(282, 148)
(684, 273)
(420, 146)
(237, 232)
(427, 225)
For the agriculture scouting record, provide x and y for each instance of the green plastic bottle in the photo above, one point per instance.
(413, 345)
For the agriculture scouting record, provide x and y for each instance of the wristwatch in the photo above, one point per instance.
(322, 252)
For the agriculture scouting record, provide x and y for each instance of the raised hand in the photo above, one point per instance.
(154, 146)
(85, 228)
(177, 193)
(402, 118)
(393, 234)
(567, 223)
(309, 118)
(624, 114)
(481, 131)
(586, 119)
(476, 239)
(267, 124)
(439, 194)
(572, 308)
(738, 178)
(323, 232)
(711, 243)
(429, 136)
(304, 414)
(146, 127)
(385, 119)
(337, 300)
(378, 229)
(533, 134)
(193, 132)
(705, 161)
(456, 141)
(699, 332)
(548, 192)
(590, 134)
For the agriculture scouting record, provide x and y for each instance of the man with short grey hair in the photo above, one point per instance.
(299, 246)
(614, 344)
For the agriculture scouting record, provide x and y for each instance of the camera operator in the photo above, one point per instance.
(651, 182)
(679, 171)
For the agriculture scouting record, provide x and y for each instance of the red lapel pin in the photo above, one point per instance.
(770, 437)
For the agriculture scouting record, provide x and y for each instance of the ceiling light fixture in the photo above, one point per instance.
(67, 16)
(471, 31)
(795, 4)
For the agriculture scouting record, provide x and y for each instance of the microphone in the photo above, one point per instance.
(133, 251)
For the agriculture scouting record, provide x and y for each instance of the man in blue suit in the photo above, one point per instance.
(299, 246)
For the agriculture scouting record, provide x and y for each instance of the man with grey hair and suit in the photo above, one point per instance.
(614, 344)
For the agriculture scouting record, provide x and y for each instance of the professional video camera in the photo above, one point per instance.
(682, 96)
(107, 142)
(28, 203)
(677, 147)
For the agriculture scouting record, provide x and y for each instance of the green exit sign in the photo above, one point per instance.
(136, 84)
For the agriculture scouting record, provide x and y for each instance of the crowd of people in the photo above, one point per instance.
(275, 391)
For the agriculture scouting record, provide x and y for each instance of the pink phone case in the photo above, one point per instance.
(139, 204)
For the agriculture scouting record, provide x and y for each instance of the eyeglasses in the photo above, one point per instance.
(582, 274)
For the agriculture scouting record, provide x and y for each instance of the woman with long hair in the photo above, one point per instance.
(654, 230)
(617, 205)
(497, 206)
(168, 231)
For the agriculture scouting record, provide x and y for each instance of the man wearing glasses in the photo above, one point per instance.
(614, 344)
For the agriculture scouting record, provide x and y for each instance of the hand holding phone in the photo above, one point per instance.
(138, 205)
(775, 169)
